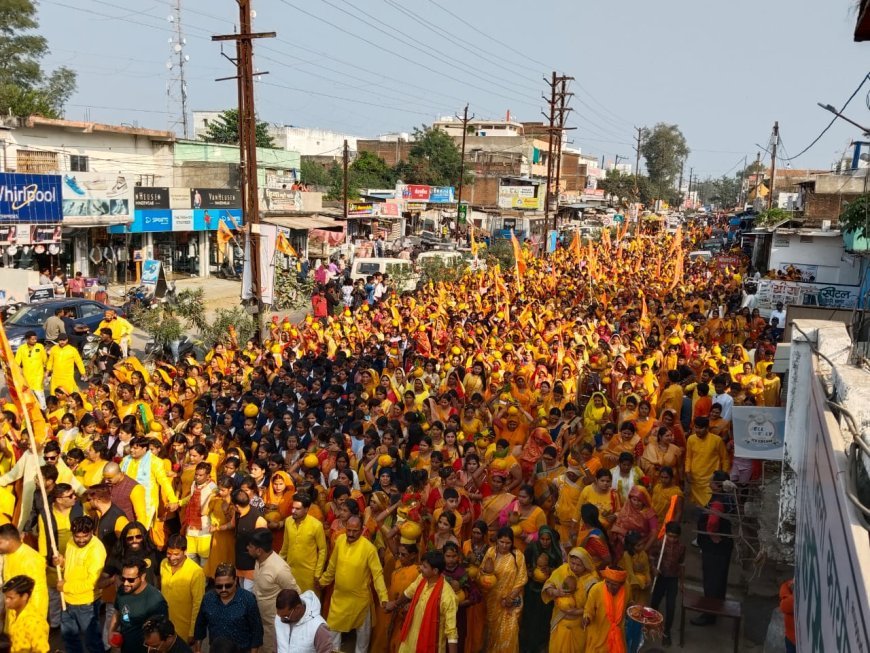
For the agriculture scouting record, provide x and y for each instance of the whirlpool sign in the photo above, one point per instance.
(30, 199)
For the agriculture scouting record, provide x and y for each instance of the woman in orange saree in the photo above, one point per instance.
(473, 551)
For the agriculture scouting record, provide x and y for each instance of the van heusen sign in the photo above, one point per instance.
(30, 198)
(831, 601)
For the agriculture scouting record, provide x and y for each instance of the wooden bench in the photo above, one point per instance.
(713, 607)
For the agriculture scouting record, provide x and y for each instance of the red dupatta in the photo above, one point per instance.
(427, 641)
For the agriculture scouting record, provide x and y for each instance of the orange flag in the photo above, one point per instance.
(224, 235)
(19, 392)
(282, 244)
(575, 246)
(605, 238)
(473, 242)
(518, 254)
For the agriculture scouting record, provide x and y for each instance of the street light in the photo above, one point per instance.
(832, 109)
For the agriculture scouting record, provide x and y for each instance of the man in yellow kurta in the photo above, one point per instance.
(431, 625)
(83, 561)
(148, 471)
(304, 546)
(182, 583)
(354, 566)
(21, 560)
(604, 613)
(63, 361)
(705, 453)
(122, 330)
(32, 359)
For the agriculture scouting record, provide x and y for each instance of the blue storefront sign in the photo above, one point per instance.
(441, 195)
(158, 220)
(30, 198)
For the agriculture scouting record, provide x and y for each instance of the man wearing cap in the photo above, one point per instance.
(32, 358)
(604, 613)
(62, 363)
(122, 330)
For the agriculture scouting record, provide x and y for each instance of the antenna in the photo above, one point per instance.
(176, 86)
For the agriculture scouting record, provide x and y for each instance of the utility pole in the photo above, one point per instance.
(680, 186)
(741, 198)
(638, 140)
(248, 146)
(758, 175)
(558, 102)
(465, 119)
(773, 164)
(689, 193)
(345, 156)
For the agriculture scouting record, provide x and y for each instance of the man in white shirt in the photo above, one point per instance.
(720, 384)
(779, 313)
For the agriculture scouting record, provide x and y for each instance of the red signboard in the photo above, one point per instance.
(416, 192)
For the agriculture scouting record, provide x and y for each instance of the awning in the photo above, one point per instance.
(305, 223)
(85, 221)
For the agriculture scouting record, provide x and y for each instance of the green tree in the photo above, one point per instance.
(225, 129)
(25, 88)
(368, 170)
(664, 149)
(628, 188)
(856, 216)
(314, 173)
(434, 160)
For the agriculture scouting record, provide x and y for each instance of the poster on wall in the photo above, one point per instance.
(215, 198)
(8, 234)
(150, 272)
(97, 194)
(771, 292)
(268, 234)
(45, 234)
(281, 199)
(759, 432)
(150, 197)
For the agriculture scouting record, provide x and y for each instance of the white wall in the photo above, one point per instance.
(826, 252)
(147, 161)
(310, 142)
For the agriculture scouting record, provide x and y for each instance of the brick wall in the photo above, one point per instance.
(390, 152)
(825, 206)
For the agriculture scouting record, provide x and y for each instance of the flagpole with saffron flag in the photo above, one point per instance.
(26, 401)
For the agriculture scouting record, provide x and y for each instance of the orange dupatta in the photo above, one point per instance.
(427, 640)
(615, 608)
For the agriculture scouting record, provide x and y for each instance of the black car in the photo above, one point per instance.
(32, 317)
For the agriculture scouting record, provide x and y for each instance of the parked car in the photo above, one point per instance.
(32, 317)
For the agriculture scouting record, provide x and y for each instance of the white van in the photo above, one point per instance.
(366, 267)
(448, 258)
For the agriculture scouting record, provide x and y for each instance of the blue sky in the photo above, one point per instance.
(722, 71)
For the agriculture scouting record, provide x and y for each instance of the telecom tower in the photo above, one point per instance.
(176, 86)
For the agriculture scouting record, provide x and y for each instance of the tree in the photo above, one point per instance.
(628, 188)
(664, 149)
(25, 88)
(434, 160)
(856, 216)
(314, 174)
(367, 170)
(225, 129)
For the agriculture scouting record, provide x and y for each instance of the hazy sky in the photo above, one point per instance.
(722, 71)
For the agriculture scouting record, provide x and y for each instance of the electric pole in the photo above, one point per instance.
(638, 140)
(689, 193)
(248, 146)
(773, 164)
(558, 102)
(345, 156)
(758, 176)
(680, 186)
(465, 119)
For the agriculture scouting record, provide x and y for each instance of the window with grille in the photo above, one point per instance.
(78, 163)
(35, 161)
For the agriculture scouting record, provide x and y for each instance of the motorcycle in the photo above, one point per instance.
(227, 271)
(172, 352)
(139, 298)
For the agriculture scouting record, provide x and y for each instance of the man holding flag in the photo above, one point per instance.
(32, 359)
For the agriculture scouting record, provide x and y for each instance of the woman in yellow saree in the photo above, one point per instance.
(504, 603)
(596, 414)
(567, 634)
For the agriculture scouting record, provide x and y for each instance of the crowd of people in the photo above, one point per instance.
(503, 463)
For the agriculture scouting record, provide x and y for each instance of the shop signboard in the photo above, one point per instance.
(441, 195)
(205, 220)
(30, 198)
(182, 220)
(280, 180)
(831, 601)
(281, 199)
(388, 209)
(150, 197)
(462, 212)
(41, 293)
(215, 198)
(759, 432)
(415, 207)
(150, 272)
(97, 194)
(416, 192)
(360, 209)
(179, 198)
(772, 291)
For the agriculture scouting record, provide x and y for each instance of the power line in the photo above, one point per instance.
(833, 120)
